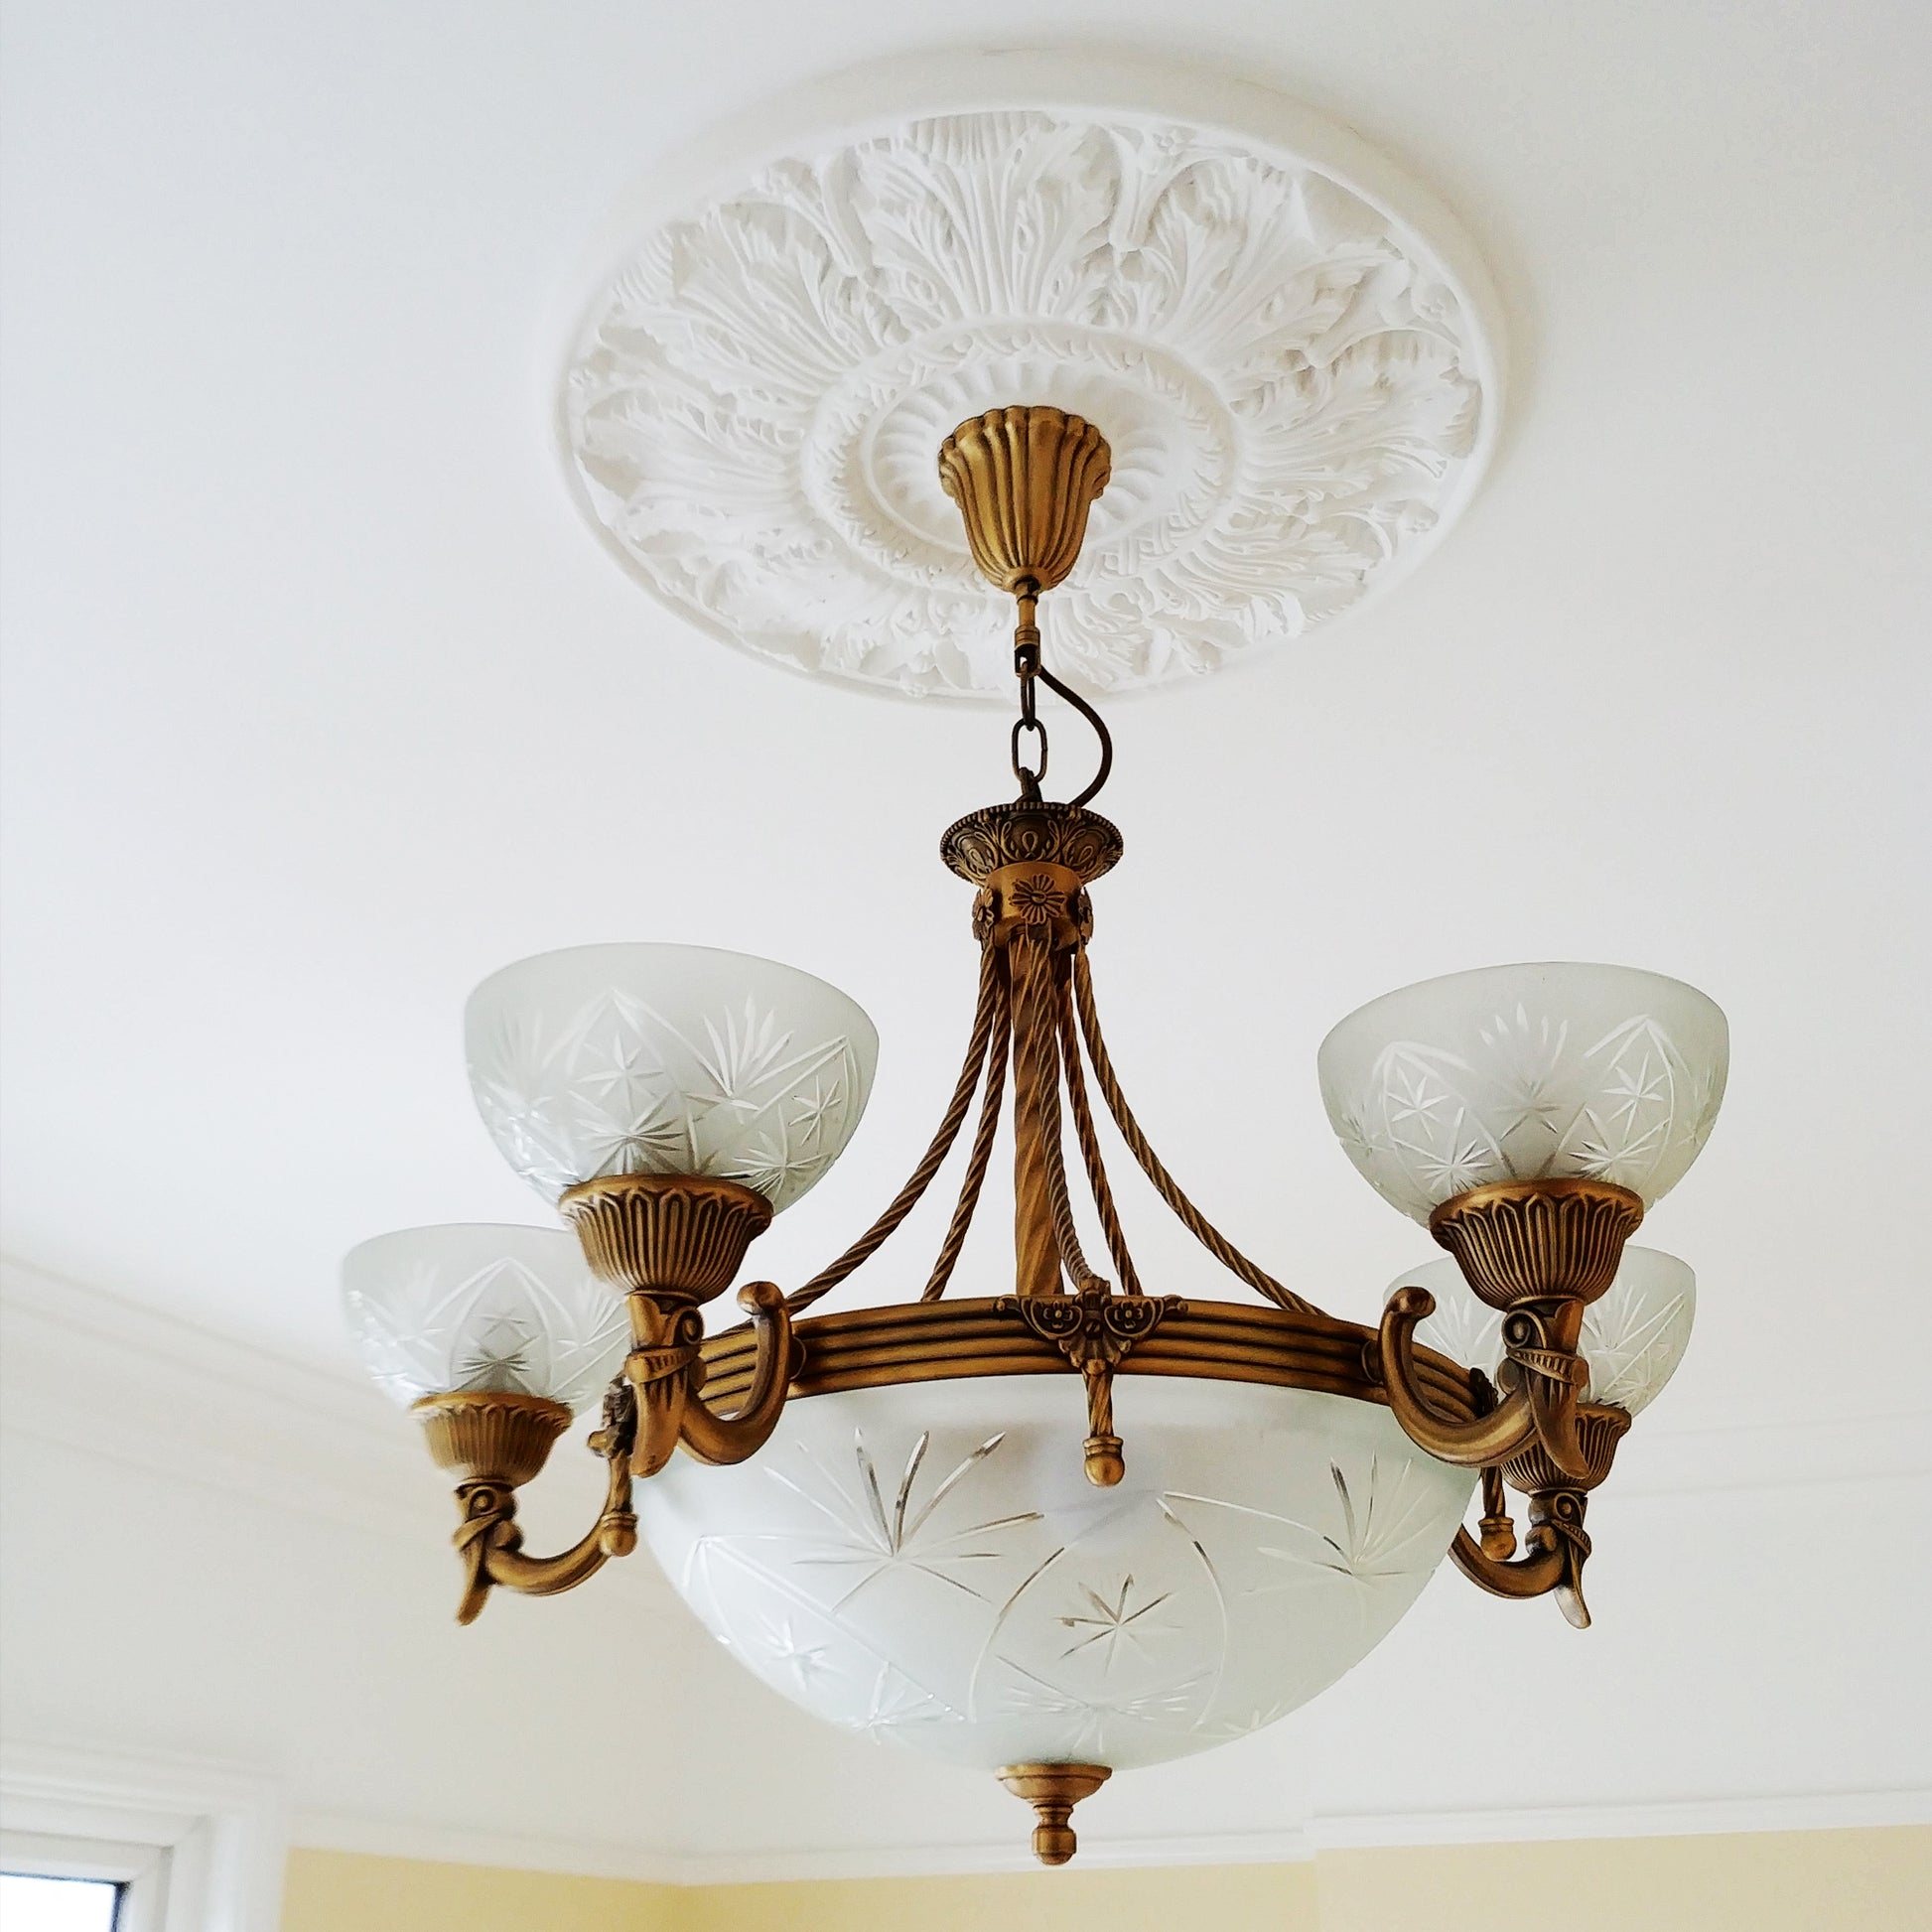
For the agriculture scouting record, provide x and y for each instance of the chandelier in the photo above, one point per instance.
(1079, 1524)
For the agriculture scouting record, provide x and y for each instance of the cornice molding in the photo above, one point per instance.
(225, 1828)
(1813, 1811)
(208, 1408)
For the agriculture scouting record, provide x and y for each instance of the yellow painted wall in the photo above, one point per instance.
(1766, 1882)
(1195, 1899)
(344, 1891)
(1794, 1881)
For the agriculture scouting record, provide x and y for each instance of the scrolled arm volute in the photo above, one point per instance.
(492, 1545)
(713, 1437)
(667, 1370)
(1534, 1573)
(1489, 1439)
(1543, 1368)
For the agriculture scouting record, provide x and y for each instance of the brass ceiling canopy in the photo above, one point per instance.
(1023, 480)
(1533, 1177)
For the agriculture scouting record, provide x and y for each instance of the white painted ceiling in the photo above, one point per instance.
(320, 703)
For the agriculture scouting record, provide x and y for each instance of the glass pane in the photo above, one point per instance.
(57, 1904)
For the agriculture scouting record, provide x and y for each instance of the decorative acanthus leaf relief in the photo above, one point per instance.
(754, 409)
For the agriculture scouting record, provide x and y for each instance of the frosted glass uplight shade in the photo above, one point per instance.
(1523, 1073)
(467, 1307)
(1634, 1335)
(667, 1059)
(929, 1565)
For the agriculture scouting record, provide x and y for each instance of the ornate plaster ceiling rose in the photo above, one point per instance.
(1292, 351)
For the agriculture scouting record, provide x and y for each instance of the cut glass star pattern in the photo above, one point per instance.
(435, 1310)
(732, 1066)
(1522, 1073)
(876, 1566)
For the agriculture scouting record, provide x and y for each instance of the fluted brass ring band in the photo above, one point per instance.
(937, 1342)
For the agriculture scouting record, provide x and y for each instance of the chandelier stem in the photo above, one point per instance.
(981, 1154)
(991, 1004)
(1191, 1217)
(1043, 1239)
(1083, 1128)
(1045, 971)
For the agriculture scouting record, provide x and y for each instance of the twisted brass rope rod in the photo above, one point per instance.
(909, 1196)
(1076, 1093)
(981, 1151)
(1191, 1217)
(1039, 1083)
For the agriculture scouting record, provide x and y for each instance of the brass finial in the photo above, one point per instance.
(1024, 479)
(1054, 1790)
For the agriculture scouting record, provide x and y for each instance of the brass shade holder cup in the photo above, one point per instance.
(484, 1436)
(678, 1238)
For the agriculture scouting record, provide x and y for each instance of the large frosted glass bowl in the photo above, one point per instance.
(1524, 1072)
(667, 1059)
(475, 1306)
(1634, 1335)
(929, 1565)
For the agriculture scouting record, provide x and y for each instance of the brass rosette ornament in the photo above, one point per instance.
(958, 1549)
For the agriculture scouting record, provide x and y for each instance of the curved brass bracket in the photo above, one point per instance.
(1542, 1379)
(1532, 1574)
(1556, 1546)
(499, 1442)
(1541, 1365)
(666, 1368)
(1469, 1445)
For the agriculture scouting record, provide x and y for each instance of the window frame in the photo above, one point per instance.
(197, 1847)
(138, 1872)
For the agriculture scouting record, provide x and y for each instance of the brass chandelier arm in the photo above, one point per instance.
(666, 1368)
(1553, 1413)
(614, 1534)
(1543, 1380)
(1536, 1574)
(1489, 1439)
(977, 1160)
(1076, 1094)
(985, 1018)
(715, 1438)
(498, 1444)
(1191, 1217)
(1485, 1559)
